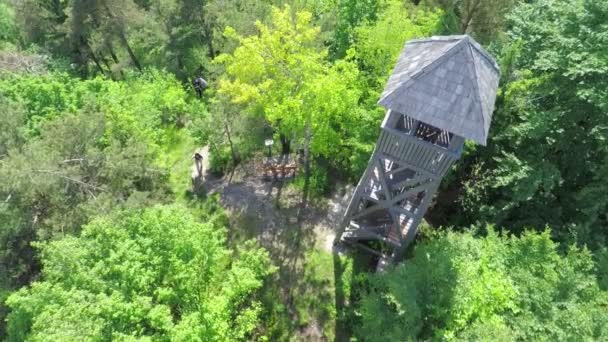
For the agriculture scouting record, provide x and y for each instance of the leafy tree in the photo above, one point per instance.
(96, 27)
(85, 31)
(73, 149)
(157, 274)
(8, 29)
(230, 135)
(240, 15)
(39, 23)
(483, 19)
(281, 75)
(140, 106)
(461, 287)
(54, 183)
(13, 118)
(378, 44)
(547, 159)
(351, 14)
(187, 25)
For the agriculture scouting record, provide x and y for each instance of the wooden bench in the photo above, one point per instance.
(279, 171)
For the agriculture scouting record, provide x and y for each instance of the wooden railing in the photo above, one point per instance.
(416, 152)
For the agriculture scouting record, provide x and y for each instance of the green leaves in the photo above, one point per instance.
(156, 273)
(548, 147)
(458, 286)
(282, 73)
(378, 44)
(138, 106)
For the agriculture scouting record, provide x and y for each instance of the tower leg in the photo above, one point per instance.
(399, 253)
(352, 205)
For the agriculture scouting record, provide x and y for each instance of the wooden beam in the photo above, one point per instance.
(364, 234)
(388, 204)
(368, 249)
(411, 191)
(387, 190)
(403, 211)
(403, 138)
(399, 169)
(369, 210)
(396, 223)
(411, 166)
(412, 181)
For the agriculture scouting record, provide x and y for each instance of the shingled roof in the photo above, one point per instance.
(449, 82)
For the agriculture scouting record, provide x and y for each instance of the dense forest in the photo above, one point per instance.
(104, 237)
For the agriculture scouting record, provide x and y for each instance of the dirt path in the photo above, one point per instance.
(273, 206)
(267, 211)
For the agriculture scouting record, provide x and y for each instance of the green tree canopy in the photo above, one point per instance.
(548, 157)
(378, 43)
(461, 287)
(8, 29)
(282, 74)
(157, 274)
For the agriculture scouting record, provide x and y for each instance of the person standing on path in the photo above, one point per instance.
(198, 162)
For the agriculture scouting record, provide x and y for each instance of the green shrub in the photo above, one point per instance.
(220, 160)
(461, 287)
(157, 274)
(142, 105)
(319, 181)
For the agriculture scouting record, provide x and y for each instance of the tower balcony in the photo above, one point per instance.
(419, 154)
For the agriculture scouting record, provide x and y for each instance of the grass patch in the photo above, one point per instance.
(320, 295)
(177, 157)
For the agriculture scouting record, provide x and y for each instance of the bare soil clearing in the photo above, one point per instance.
(267, 211)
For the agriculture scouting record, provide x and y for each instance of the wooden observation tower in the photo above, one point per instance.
(441, 92)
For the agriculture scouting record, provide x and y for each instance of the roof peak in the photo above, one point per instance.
(447, 81)
(460, 38)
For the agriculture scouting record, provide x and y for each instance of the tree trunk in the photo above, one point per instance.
(114, 58)
(124, 40)
(232, 151)
(471, 10)
(82, 56)
(96, 60)
(97, 63)
(105, 62)
(112, 53)
(285, 144)
(307, 138)
(122, 36)
(209, 39)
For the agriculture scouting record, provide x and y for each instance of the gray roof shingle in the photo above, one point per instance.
(451, 79)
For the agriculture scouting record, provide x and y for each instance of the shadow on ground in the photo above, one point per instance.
(313, 283)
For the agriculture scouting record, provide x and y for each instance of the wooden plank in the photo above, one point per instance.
(387, 190)
(397, 170)
(412, 181)
(418, 141)
(393, 148)
(426, 159)
(411, 191)
(382, 141)
(368, 210)
(446, 165)
(418, 169)
(415, 158)
(411, 157)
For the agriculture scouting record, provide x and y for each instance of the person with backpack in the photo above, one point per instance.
(199, 85)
